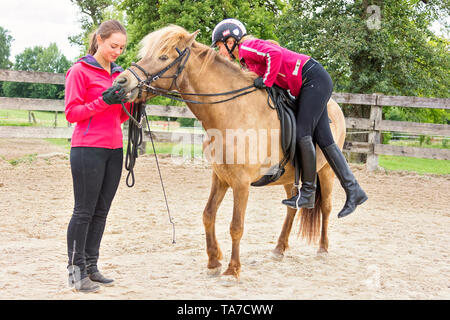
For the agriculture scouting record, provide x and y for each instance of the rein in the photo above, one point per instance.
(174, 95)
(183, 56)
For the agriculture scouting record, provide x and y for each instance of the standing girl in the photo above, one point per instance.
(96, 155)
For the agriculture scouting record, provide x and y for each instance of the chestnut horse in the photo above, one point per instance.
(203, 70)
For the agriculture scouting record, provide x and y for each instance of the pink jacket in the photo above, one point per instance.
(98, 124)
(274, 63)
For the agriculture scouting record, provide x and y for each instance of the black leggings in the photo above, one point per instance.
(312, 115)
(96, 174)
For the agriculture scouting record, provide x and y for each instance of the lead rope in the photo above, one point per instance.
(160, 176)
(135, 138)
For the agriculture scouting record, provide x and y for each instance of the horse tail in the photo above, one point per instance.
(310, 219)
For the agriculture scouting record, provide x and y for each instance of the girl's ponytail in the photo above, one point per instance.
(93, 45)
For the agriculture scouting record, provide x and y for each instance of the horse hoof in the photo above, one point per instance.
(214, 272)
(277, 255)
(322, 252)
(229, 280)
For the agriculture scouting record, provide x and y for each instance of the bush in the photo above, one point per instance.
(186, 122)
(386, 137)
(421, 139)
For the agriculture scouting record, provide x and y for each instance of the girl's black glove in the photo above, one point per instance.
(114, 95)
(259, 83)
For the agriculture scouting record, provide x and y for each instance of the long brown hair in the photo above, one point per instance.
(105, 30)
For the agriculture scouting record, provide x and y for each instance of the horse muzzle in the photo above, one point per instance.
(129, 87)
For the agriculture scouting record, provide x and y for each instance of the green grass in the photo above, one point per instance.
(20, 118)
(15, 123)
(173, 149)
(160, 147)
(438, 144)
(26, 159)
(419, 165)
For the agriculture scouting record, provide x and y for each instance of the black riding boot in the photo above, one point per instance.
(355, 195)
(307, 195)
(97, 277)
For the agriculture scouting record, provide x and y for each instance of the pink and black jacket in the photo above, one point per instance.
(97, 123)
(277, 65)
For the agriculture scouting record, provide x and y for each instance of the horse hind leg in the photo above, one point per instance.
(283, 239)
(217, 193)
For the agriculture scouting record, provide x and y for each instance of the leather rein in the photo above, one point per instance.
(181, 60)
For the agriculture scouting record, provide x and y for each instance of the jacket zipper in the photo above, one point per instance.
(87, 129)
(110, 77)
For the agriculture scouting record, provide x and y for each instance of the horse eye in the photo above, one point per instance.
(163, 57)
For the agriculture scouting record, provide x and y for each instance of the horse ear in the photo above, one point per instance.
(191, 38)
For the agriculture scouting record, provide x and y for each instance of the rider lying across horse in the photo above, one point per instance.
(306, 80)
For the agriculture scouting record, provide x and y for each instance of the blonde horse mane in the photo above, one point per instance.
(162, 41)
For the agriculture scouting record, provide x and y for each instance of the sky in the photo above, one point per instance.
(39, 23)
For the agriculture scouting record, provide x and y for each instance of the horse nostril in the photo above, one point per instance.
(121, 81)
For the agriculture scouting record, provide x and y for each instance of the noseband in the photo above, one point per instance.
(182, 59)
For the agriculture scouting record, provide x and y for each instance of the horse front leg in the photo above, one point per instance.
(217, 193)
(240, 197)
(283, 239)
(326, 176)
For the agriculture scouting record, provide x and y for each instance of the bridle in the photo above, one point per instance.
(182, 59)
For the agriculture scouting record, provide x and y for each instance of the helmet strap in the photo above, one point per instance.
(230, 51)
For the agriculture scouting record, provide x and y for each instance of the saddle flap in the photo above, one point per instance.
(273, 174)
(285, 108)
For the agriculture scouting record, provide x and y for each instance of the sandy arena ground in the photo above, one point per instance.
(395, 246)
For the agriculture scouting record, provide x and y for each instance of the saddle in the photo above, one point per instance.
(280, 100)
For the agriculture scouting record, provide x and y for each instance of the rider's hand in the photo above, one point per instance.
(114, 95)
(259, 83)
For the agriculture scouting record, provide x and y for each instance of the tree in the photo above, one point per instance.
(144, 16)
(48, 59)
(93, 13)
(399, 56)
(5, 47)
(381, 46)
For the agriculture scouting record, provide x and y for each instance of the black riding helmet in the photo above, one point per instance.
(228, 28)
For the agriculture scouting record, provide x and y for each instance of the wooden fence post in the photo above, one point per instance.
(376, 113)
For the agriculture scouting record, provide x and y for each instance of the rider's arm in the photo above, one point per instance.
(261, 51)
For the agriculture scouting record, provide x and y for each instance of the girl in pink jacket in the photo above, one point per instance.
(310, 84)
(96, 155)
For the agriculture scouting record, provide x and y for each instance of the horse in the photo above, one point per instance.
(171, 60)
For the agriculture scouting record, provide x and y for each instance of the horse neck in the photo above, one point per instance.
(216, 78)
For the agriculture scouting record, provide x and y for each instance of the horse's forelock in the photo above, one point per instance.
(162, 41)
